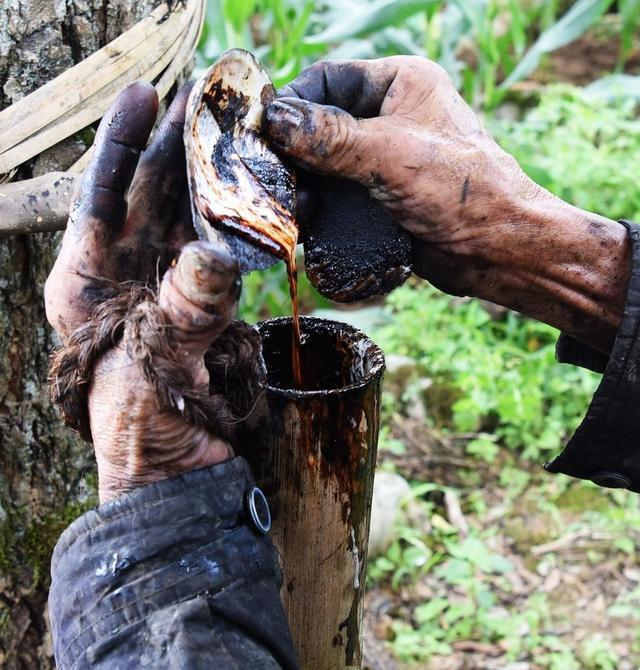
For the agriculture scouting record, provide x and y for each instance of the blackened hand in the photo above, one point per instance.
(480, 226)
(398, 126)
(130, 218)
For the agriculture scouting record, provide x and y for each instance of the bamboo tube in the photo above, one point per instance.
(313, 453)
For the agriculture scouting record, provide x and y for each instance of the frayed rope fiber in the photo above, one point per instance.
(234, 362)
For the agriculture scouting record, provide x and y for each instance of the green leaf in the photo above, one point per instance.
(369, 19)
(615, 86)
(430, 610)
(571, 26)
(625, 544)
(484, 447)
(629, 10)
(455, 571)
(384, 564)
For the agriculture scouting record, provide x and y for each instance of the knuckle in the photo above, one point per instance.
(308, 85)
(427, 69)
(419, 77)
(435, 69)
(338, 135)
(310, 75)
(315, 69)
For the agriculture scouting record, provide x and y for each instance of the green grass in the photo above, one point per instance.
(503, 372)
(581, 147)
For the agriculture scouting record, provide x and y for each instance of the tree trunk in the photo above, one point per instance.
(47, 475)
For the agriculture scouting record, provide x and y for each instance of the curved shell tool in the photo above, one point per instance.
(242, 194)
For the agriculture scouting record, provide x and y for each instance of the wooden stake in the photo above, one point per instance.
(36, 205)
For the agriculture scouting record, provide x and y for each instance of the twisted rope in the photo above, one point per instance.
(132, 317)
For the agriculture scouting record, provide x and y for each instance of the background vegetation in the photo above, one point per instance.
(493, 564)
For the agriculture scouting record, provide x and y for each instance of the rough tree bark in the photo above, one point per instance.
(46, 474)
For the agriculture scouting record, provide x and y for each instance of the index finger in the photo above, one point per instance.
(98, 210)
(356, 86)
(161, 177)
(100, 205)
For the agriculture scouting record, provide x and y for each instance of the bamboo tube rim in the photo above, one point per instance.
(374, 356)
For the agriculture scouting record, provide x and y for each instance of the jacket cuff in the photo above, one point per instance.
(162, 544)
(606, 446)
(571, 351)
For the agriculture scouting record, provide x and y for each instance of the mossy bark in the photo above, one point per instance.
(46, 473)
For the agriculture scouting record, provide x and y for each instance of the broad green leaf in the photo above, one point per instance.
(474, 10)
(430, 610)
(238, 12)
(630, 12)
(352, 50)
(370, 18)
(384, 564)
(615, 86)
(571, 26)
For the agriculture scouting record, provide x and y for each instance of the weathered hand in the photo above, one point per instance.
(480, 226)
(398, 126)
(129, 220)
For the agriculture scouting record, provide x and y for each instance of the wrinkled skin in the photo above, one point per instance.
(130, 218)
(480, 226)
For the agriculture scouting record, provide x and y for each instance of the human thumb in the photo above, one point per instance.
(200, 295)
(322, 138)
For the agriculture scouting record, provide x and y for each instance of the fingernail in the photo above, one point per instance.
(283, 122)
(206, 274)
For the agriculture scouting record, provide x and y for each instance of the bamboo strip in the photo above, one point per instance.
(168, 78)
(42, 204)
(92, 108)
(151, 61)
(86, 78)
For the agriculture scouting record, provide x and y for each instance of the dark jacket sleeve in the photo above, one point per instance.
(176, 575)
(606, 446)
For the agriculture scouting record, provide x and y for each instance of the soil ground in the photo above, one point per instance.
(566, 553)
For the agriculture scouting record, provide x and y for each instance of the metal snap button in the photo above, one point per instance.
(612, 480)
(259, 510)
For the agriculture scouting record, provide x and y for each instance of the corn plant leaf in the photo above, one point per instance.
(238, 12)
(629, 10)
(352, 50)
(615, 86)
(572, 25)
(454, 26)
(370, 18)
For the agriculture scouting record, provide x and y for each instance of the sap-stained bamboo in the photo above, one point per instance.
(314, 453)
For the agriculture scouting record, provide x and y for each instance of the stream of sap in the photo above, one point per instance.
(283, 233)
(296, 344)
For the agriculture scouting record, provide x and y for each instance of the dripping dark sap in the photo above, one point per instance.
(333, 355)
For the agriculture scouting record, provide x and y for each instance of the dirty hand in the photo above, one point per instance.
(480, 226)
(130, 217)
